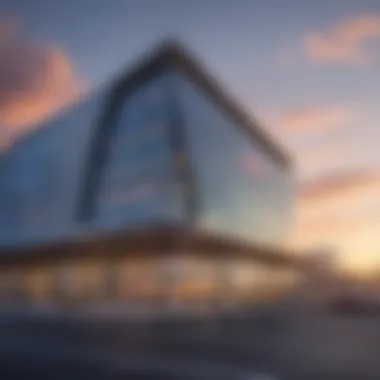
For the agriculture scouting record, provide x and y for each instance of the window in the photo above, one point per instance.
(243, 191)
(195, 279)
(40, 283)
(82, 280)
(138, 183)
(141, 280)
(12, 283)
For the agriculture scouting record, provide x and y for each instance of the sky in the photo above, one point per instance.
(308, 71)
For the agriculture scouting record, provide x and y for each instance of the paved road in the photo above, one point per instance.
(236, 341)
(328, 346)
(31, 356)
(299, 346)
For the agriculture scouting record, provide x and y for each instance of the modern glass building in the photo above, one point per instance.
(156, 189)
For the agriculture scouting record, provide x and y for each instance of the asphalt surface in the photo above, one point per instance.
(47, 349)
(277, 345)
(184, 348)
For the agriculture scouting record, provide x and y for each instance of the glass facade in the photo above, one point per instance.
(41, 177)
(39, 282)
(241, 190)
(138, 182)
(194, 279)
(80, 280)
(185, 281)
(32, 188)
(164, 130)
(139, 280)
(12, 283)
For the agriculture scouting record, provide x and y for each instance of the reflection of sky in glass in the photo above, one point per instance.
(242, 191)
(34, 185)
(138, 181)
(44, 172)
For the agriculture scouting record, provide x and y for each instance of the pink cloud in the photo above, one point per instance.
(36, 79)
(328, 225)
(338, 210)
(344, 41)
(323, 156)
(313, 118)
(340, 184)
(314, 159)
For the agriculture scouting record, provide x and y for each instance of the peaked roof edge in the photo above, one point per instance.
(171, 53)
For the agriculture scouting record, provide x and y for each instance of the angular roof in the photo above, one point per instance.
(173, 54)
(166, 55)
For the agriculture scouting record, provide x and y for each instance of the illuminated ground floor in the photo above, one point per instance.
(162, 269)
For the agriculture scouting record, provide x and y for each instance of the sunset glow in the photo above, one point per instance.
(309, 74)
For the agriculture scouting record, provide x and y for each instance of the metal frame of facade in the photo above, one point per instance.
(170, 56)
(150, 241)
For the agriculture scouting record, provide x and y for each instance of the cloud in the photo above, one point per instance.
(355, 237)
(325, 227)
(325, 156)
(338, 213)
(36, 79)
(313, 118)
(343, 42)
(341, 210)
(340, 184)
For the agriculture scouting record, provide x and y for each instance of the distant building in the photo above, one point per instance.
(157, 171)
